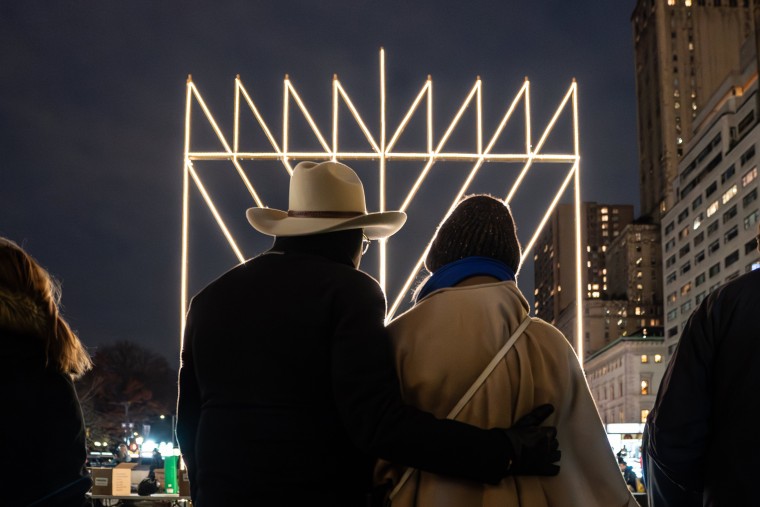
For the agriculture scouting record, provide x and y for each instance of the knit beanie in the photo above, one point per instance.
(480, 225)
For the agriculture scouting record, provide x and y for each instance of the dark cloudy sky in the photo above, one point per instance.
(92, 98)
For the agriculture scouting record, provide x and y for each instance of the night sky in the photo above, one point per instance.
(92, 97)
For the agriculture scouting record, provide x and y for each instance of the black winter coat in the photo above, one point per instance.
(288, 392)
(702, 425)
(42, 426)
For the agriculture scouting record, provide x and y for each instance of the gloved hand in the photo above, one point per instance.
(535, 448)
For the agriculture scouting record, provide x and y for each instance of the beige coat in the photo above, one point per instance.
(442, 345)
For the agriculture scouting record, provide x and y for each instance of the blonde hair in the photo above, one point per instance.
(29, 304)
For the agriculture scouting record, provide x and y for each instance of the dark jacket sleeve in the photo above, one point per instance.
(679, 424)
(369, 399)
(188, 403)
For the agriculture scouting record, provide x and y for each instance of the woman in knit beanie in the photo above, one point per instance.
(480, 225)
(478, 238)
(469, 344)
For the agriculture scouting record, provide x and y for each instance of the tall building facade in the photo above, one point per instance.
(684, 49)
(554, 267)
(709, 233)
(634, 262)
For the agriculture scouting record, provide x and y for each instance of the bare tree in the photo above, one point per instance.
(128, 384)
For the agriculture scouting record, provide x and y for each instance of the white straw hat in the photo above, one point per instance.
(325, 197)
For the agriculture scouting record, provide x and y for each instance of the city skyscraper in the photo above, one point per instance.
(554, 271)
(709, 234)
(634, 264)
(684, 49)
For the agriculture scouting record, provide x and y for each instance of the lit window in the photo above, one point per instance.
(730, 193)
(749, 177)
(644, 358)
(698, 221)
(644, 414)
(657, 358)
(688, 3)
(711, 209)
(644, 387)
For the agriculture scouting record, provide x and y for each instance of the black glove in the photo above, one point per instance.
(534, 447)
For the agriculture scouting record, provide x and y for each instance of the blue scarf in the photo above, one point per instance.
(454, 272)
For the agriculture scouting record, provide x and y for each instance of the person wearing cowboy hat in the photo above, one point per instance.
(288, 391)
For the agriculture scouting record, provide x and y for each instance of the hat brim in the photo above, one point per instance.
(275, 222)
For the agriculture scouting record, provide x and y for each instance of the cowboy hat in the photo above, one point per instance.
(325, 197)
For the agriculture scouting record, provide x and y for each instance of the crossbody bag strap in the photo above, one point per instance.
(474, 387)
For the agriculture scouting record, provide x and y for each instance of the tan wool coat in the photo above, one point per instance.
(442, 345)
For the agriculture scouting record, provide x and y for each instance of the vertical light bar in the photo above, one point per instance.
(480, 116)
(430, 115)
(381, 204)
(528, 135)
(236, 132)
(285, 115)
(335, 117)
(185, 213)
(578, 246)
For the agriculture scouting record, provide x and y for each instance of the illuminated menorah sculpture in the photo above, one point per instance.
(383, 152)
